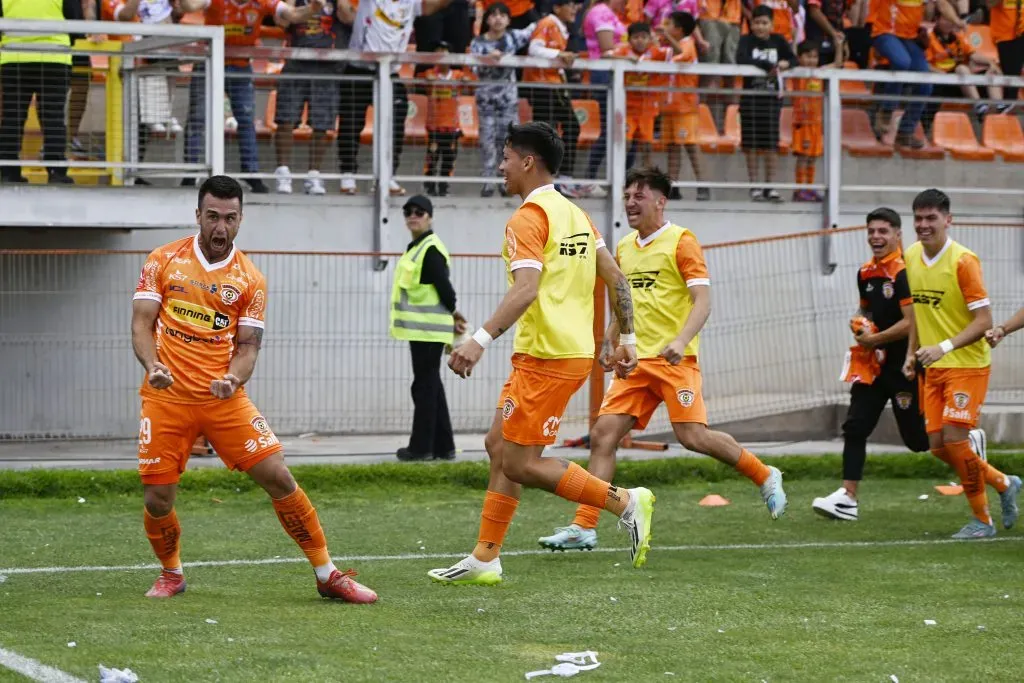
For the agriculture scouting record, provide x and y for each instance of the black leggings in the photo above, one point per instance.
(1011, 61)
(867, 401)
(19, 81)
(353, 100)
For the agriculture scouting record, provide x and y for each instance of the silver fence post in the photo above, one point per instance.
(834, 140)
(382, 143)
(215, 104)
(130, 109)
(616, 137)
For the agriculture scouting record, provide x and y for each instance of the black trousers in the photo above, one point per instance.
(553, 107)
(452, 25)
(19, 82)
(353, 99)
(442, 148)
(431, 424)
(867, 401)
(1011, 61)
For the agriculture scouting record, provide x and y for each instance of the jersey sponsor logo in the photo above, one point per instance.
(182, 261)
(961, 399)
(643, 279)
(177, 288)
(259, 423)
(149, 461)
(197, 316)
(959, 415)
(229, 294)
(573, 245)
(928, 297)
(685, 397)
(507, 408)
(551, 425)
(188, 338)
(178, 276)
(253, 445)
(888, 290)
(206, 287)
(869, 288)
(904, 399)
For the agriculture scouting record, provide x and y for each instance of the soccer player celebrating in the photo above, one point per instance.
(197, 324)
(672, 297)
(951, 315)
(553, 255)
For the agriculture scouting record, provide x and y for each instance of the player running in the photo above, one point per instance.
(672, 297)
(553, 255)
(951, 315)
(197, 325)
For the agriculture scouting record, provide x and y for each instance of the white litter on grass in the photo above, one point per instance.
(614, 599)
(923, 496)
(980, 627)
(1006, 596)
(929, 622)
(569, 664)
(479, 609)
(117, 675)
(81, 500)
(231, 640)
(614, 565)
(99, 594)
(672, 628)
(721, 631)
(892, 677)
(423, 547)
(670, 673)
(72, 644)
(211, 621)
(3, 577)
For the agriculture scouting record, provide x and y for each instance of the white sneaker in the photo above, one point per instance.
(396, 189)
(174, 126)
(637, 518)
(839, 505)
(598, 192)
(979, 443)
(348, 184)
(283, 176)
(313, 184)
(773, 494)
(469, 571)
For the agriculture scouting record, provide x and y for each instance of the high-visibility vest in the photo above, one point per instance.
(417, 313)
(52, 10)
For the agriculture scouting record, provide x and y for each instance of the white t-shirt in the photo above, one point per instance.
(150, 11)
(384, 25)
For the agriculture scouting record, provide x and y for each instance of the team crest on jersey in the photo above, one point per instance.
(961, 399)
(507, 408)
(888, 290)
(229, 294)
(904, 399)
(685, 397)
(259, 423)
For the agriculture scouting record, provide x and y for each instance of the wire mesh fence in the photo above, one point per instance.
(774, 343)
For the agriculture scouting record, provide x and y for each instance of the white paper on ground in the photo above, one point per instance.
(117, 675)
(570, 664)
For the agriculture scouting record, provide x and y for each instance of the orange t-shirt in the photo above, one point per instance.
(443, 99)
(900, 17)
(968, 276)
(554, 35)
(515, 7)
(241, 21)
(807, 109)
(690, 261)
(1007, 20)
(782, 18)
(108, 12)
(643, 102)
(677, 102)
(633, 12)
(202, 307)
(947, 56)
(728, 11)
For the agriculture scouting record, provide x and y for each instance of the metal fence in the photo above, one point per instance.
(774, 343)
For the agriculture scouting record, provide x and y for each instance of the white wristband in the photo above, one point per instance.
(946, 346)
(627, 339)
(483, 338)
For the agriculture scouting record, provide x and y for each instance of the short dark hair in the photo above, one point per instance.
(884, 213)
(762, 11)
(539, 139)
(807, 46)
(496, 8)
(649, 176)
(221, 187)
(638, 27)
(684, 21)
(932, 199)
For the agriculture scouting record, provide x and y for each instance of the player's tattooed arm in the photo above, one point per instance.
(618, 290)
(247, 349)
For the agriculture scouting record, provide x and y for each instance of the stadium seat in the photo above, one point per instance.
(707, 133)
(785, 130)
(1002, 134)
(267, 126)
(731, 136)
(953, 132)
(980, 38)
(469, 121)
(858, 138)
(415, 122)
(929, 151)
(588, 113)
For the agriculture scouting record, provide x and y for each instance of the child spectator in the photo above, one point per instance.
(641, 105)
(497, 101)
(679, 117)
(442, 122)
(949, 52)
(759, 109)
(808, 124)
(784, 17)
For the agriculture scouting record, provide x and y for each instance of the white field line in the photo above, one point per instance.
(34, 670)
(345, 559)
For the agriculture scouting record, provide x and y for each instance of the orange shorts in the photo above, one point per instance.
(640, 126)
(237, 431)
(654, 381)
(535, 396)
(808, 140)
(679, 128)
(953, 396)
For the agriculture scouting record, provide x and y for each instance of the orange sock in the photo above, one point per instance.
(752, 468)
(942, 454)
(587, 516)
(996, 479)
(799, 174)
(164, 534)
(581, 486)
(971, 469)
(300, 521)
(809, 175)
(495, 519)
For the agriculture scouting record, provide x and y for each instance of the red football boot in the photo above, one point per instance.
(167, 585)
(340, 586)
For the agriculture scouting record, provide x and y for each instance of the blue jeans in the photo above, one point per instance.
(600, 147)
(904, 54)
(242, 95)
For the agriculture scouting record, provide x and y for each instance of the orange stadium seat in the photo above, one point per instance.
(707, 133)
(929, 151)
(469, 121)
(415, 122)
(953, 132)
(980, 38)
(267, 126)
(732, 135)
(588, 113)
(785, 130)
(1002, 133)
(858, 138)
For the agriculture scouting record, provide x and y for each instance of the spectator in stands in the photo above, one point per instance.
(679, 110)
(443, 130)
(949, 52)
(453, 26)
(497, 102)
(641, 105)
(1007, 26)
(719, 24)
(857, 36)
(808, 122)
(759, 108)
(553, 104)
(783, 17)
(380, 26)
(43, 75)
(242, 24)
(895, 28)
(81, 74)
(320, 96)
(522, 13)
(825, 27)
(603, 31)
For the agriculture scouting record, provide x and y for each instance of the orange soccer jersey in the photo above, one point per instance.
(677, 102)
(553, 34)
(729, 11)
(443, 102)
(783, 22)
(808, 137)
(241, 21)
(202, 306)
(1007, 20)
(642, 105)
(900, 17)
(947, 55)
